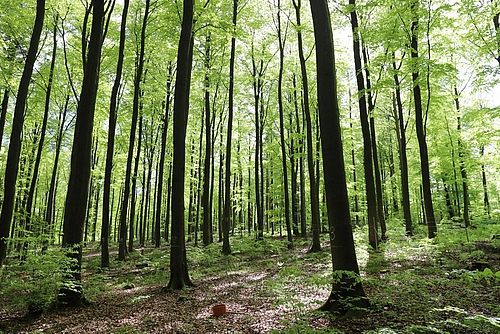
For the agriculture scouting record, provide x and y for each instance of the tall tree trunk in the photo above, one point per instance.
(282, 41)
(365, 128)
(122, 242)
(420, 127)
(485, 184)
(226, 221)
(78, 185)
(403, 159)
(14, 152)
(354, 171)
(373, 136)
(51, 196)
(164, 132)
(133, 194)
(179, 277)
(313, 177)
(347, 290)
(205, 197)
(3, 113)
(258, 175)
(106, 213)
(463, 170)
(41, 140)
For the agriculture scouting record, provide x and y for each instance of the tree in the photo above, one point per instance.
(347, 290)
(179, 276)
(122, 249)
(313, 178)
(419, 124)
(111, 141)
(282, 41)
(226, 220)
(365, 126)
(78, 185)
(11, 169)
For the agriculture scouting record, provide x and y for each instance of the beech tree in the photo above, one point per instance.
(11, 170)
(78, 185)
(179, 276)
(347, 291)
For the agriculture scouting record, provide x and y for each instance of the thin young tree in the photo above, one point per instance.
(164, 132)
(347, 290)
(122, 242)
(282, 40)
(371, 199)
(111, 141)
(179, 276)
(420, 126)
(78, 185)
(226, 219)
(11, 167)
(313, 184)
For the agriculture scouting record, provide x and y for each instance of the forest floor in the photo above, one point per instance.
(415, 285)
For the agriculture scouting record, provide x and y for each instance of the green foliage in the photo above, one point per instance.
(33, 284)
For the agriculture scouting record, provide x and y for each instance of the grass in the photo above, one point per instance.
(415, 285)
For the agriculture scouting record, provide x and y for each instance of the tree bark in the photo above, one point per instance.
(226, 219)
(111, 141)
(11, 169)
(420, 127)
(461, 153)
(205, 197)
(282, 41)
(347, 290)
(78, 185)
(313, 178)
(164, 133)
(365, 128)
(41, 140)
(122, 242)
(403, 159)
(179, 277)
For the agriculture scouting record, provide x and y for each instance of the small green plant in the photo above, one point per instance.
(33, 284)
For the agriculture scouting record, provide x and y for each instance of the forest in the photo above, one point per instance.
(245, 166)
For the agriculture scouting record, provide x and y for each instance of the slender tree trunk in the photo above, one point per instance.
(313, 177)
(365, 128)
(403, 159)
(179, 277)
(106, 213)
(122, 242)
(373, 136)
(282, 41)
(347, 290)
(463, 170)
(3, 113)
(159, 199)
(78, 185)
(226, 221)
(485, 184)
(420, 127)
(17, 128)
(354, 171)
(51, 197)
(205, 197)
(41, 140)
(133, 194)
(496, 25)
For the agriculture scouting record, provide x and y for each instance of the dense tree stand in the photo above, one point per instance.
(347, 292)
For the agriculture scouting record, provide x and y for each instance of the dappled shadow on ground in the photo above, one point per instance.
(412, 286)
